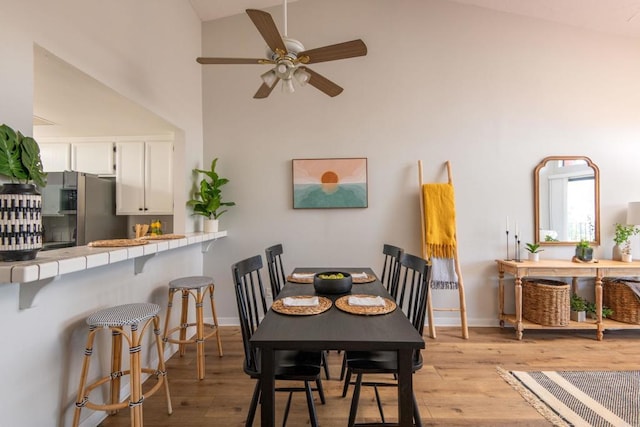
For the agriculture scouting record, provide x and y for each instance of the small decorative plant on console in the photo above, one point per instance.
(578, 308)
(534, 251)
(591, 310)
(622, 239)
(584, 251)
(208, 198)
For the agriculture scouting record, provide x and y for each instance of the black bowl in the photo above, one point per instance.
(332, 284)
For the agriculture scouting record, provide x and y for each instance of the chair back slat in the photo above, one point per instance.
(391, 268)
(252, 306)
(414, 289)
(277, 277)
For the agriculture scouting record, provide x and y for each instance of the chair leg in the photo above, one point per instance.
(286, 409)
(184, 319)
(343, 369)
(375, 388)
(320, 390)
(313, 418)
(254, 404)
(325, 365)
(354, 401)
(215, 319)
(81, 400)
(347, 380)
(416, 411)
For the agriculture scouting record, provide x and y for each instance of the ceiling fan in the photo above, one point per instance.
(290, 58)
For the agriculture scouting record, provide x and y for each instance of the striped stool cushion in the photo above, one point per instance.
(127, 314)
(192, 282)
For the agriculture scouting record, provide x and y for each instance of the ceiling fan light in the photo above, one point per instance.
(302, 76)
(287, 86)
(269, 78)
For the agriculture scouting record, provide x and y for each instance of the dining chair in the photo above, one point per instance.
(301, 366)
(389, 278)
(278, 279)
(412, 299)
(391, 267)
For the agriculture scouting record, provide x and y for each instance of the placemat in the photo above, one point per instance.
(324, 304)
(343, 304)
(116, 243)
(162, 237)
(370, 278)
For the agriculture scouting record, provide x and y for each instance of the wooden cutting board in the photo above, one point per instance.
(116, 243)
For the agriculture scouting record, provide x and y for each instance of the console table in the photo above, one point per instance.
(563, 268)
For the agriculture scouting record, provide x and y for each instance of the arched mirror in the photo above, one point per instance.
(567, 201)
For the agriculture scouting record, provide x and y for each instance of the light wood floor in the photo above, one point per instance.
(458, 385)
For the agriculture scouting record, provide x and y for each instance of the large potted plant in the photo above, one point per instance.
(622, 239)
(207, 199)
(20, 200)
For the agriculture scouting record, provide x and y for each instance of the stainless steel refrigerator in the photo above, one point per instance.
(78, 208)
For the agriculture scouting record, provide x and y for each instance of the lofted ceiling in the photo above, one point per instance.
(620, 17)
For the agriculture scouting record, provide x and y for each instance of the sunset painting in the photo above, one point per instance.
(330, 183)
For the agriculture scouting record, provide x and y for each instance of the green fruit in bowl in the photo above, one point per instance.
(332, 276)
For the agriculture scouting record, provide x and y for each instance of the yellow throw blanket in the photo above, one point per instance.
(440, 220)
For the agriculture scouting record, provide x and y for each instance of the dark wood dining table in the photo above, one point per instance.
(337, 330)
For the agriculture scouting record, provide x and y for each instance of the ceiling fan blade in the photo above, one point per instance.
(322, 83)
(265, 90)
(344, 50)
(267, 28)
(233, 61)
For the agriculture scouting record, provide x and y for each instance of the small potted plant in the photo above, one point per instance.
(591, 310)
(584, 251)
(534, 251)
(578, 308)
(208, 198)
(622, 239)
(20, 200)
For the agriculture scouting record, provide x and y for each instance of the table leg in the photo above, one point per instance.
(267, 380)
(501, 296)
(405, 387)
(599, 324)
(518, 298)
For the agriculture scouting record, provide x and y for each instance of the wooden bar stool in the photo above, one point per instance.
(197, 287)
(138, 317)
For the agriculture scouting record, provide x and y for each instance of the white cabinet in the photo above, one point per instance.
(93, 157)
(56, 157)
(144, 178)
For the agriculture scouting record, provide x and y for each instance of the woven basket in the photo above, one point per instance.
(546, 302)
(623, 301)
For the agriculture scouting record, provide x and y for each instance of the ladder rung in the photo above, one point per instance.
(446, 309)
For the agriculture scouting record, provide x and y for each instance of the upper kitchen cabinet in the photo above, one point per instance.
(56, 157)
(144, 178)
(93, 157)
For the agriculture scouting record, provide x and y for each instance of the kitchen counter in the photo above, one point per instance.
(48, 265)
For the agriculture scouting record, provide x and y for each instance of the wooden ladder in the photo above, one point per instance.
(430, 309)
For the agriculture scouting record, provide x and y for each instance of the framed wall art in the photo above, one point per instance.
(330, 183)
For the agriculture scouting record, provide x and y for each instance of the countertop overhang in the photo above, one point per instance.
(53, 263)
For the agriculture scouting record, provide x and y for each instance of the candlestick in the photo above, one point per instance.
(507, 259)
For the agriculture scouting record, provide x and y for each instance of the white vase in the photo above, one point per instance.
(210, 225)
(627, 258)
(535, 257)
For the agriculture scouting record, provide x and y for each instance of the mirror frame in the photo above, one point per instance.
(536, 185)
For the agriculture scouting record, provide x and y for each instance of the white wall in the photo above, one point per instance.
(491, 92)
(145, 50)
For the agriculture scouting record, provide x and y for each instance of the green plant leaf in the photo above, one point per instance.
(31, 161)
(10, 163)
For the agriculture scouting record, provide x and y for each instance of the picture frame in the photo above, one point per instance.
(330, 183)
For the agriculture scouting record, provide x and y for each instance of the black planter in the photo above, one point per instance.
(584, 254)
(20, 222)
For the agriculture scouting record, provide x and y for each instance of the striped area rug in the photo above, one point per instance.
(581, 398)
